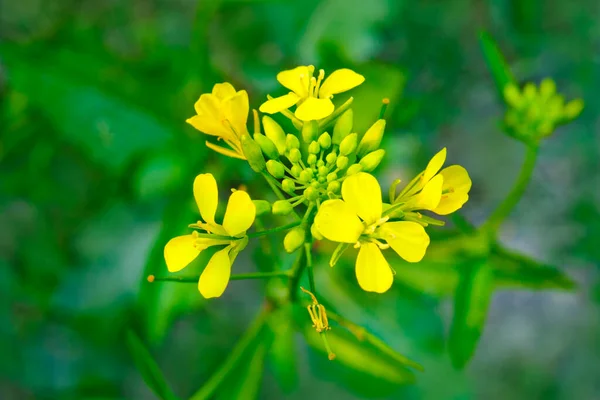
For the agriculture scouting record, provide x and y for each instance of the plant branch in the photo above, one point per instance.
(273, 230)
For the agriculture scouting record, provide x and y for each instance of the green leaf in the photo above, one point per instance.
(518, 271)
(471, 302)
(148, 368)
(496, 63)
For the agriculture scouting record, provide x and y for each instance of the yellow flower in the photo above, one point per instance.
(358, 219)
(239, 216)
(442, 192)
(223, 113)
(311, 95)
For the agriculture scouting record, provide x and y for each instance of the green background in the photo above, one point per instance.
(96, 167)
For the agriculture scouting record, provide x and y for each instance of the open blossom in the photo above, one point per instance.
(311, 95)
(224, 114)
(359, 219)
(239, 216)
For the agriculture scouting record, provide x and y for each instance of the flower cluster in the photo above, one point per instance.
(534, 112)
(322, 169)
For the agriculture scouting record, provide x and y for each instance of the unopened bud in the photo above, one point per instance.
(288, 186)
(296, 169)
(372, 160)
(275, 133)
(512, 96)
(314, 148)
(294, 239)
(325, 140)
(291, 142)
(305, 176)
(253, 153)
(311, 193)
(372, 139)
(276, 169)
(312, 159)
(348, 145)
(342, 162)
(323, 170)
(547, 88)
(573, 109)
(354, 169)
(332, 176)
(294, 155)
(267, 146)
(262, 207)
(330, 158)
(310, 129)
(282, 207)
(342, 127)
(334, 187)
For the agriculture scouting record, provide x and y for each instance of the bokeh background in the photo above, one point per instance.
(96, 166)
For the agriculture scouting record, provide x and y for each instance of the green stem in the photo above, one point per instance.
(276, 188)
(309, 269)
(210, 387)
(273, 230)
(504, 209)
(295, 274)
(234, 277)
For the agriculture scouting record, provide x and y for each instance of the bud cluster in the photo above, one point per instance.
(534, 112)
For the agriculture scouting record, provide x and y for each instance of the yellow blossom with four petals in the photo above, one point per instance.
(224, 114)
(180, 251)
(358, 218)
(311, 95)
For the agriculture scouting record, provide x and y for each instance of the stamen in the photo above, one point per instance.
(312, 88)
(319, 81)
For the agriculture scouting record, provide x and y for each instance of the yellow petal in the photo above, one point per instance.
(362, 192)
(211, 126)
(240, 213)
(314, 109)
(430, 196)
(297, 79)
(407, 238)
(340, 81)
(337, 221)
(180, 251)
(235, 109)
(455, 189)
(434, 165)
(372, 270)
(279, 104)
(208, 105)
(207, 196)
(215, 277)
(223, 90)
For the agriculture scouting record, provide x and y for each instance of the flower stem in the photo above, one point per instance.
(273, 230)
(295, 274)
(309, 269)
(234, 277)
(504, 209)
(275, 186)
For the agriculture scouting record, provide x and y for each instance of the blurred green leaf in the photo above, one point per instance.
(471, 302)
(496, 63)
(148, 367)
(282, 354)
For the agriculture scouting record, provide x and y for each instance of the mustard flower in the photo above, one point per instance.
(311, 95)
(224, 114)
(358, 218)
(239, 216)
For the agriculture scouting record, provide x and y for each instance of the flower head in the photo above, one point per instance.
(223, 113)
(311, 95)
(358, 218)
(239, 216)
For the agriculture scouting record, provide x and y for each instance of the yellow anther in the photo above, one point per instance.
(317, 313)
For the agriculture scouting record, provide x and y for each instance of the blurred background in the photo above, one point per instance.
(97, 163)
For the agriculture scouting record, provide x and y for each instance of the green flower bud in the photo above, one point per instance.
(573, 109)
(325, 140)
(372, 139)
(342, 162)
(372, 160)
(282, 207)
(547, 88)
(353, 169)
(332, 176)
(530, 92)
(267, 146)
(545, 128)
(314, 148)
(296, 169)
(323, 170)
(253, 153)
(322, 179)
(294, 155)
(342, 127)
(334, 187)
(311, 193)
(276, 169)
(512, 96)
(262, 207)
(294, 239)
(275, 133)
(314, 183)
(312, 159)
(348, 145)
(310, 129)
(288, 186)
(330, 158)
(320, 163)
(305, 176)
(291, 142)
(315, 232)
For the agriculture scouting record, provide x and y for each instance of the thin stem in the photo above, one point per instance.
(309, 269)
(295, 274)
(234, 277)
(504, 209)
(273, 230)
(210, 387)
(276, 188)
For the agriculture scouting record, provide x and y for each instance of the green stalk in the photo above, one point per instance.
(234, 277)
(273, 230)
